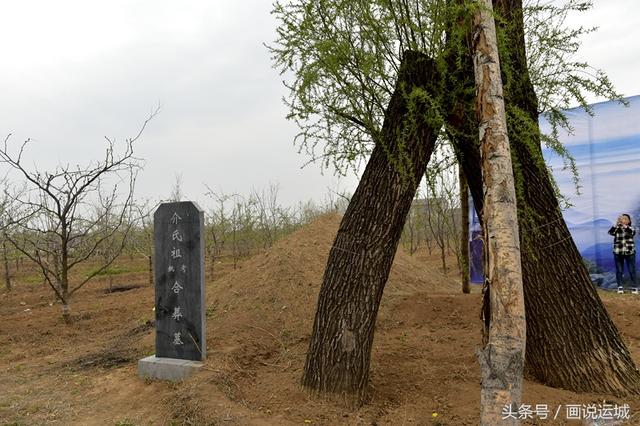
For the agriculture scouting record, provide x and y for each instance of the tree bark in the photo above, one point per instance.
(363, 251)
(571, 341)
(66, 308)
(574, 344)
(502, 359)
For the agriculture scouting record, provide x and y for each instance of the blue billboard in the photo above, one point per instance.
(606, 149)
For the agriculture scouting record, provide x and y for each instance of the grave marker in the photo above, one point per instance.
(179, 292)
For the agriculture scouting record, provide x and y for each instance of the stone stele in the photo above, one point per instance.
(179, 293)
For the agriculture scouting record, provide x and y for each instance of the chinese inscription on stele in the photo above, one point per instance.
(179, 281)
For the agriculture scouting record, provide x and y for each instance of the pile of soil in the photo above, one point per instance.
(278, 290)
(259, 317)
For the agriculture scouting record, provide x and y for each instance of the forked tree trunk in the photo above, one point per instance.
(571, 341)
(363, 251)
(502, 359)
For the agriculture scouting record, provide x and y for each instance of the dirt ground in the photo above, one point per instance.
(423, 369)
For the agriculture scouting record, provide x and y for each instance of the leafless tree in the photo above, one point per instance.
(141, 241)
(60, 232)
(269, 212)
(218, 227)
(441, 205)
(410, 233)
(176, 192)
(6, 213)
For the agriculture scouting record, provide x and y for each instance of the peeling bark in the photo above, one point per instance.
(502, 359)
(571, 341)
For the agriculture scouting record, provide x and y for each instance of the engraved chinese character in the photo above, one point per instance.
(177, 339)
(175, 218)
(176, 235)
(175, 253)
(177, 313)
(183, 268)
(171, 269)
(176, 287)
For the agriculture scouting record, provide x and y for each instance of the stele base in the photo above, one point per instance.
(171, 369)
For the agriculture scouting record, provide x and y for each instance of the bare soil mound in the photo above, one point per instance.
(278, 290)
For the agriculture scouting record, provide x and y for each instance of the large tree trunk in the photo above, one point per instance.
(571, 341)
(502, 359)
(363, 251)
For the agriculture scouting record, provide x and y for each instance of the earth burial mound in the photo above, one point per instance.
(272, 296)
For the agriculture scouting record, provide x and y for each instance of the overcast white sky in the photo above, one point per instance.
(74, 71)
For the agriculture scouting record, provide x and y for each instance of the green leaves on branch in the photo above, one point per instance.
(340, 60)
(560, 79)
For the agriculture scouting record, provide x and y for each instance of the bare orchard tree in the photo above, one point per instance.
(443, 213)
(219, 223)
(270, 214)
(435, 214)
(5, 229)
(176, 191)
(106, 215)
(243, 225)
(411, 231)
(59, 231)
(232, 228)
(336, 200)
(141, 240)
